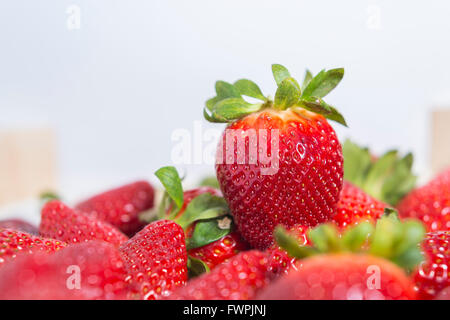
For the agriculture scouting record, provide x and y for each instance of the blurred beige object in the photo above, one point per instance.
(440, 147)
(27, 163)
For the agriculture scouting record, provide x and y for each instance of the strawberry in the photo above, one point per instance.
(14, 242)
(355, 205)
(72, 226)
(240, 278)
(353, 264)
(278, 162)
(91, 270)
(121, 206)
(156, 260)
(433, 275)
(202, 213)
(387, 178)
(343, 276)
(430, 203)
(19, 225)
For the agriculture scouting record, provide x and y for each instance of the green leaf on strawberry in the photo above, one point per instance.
(280, 73)
(307, 79)
(172, 183)
(225, 90)
(323, 83)
(233, 108)
(206, 232)
(287, 94)
(249, 88)
(196, 267)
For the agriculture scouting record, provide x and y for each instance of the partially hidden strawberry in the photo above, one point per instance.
(14, 243)
(121, 206)
(204, 215)
(355, 206)
(363, 262)
(240, 278)
(86, 271)
(280, 161)
(433, 275)
(430, 203)
(58, 221)
(156, 260)
(19, 225)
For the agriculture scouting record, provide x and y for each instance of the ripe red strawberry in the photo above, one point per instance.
(343, 276)
(121, 206)
(430, 203)
(240, 278)
(19, 225)
(433, 275)
(355, 206)
(13, 243)
(91, 270)
(61, 222)
(202, 214)
(156, 260)
(302, 177)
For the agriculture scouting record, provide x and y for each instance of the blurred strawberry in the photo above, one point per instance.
(14, 243)
(19, 225)
(430, 203)
(61, 222)
(121, 206)
(156, 260)
(85, 271)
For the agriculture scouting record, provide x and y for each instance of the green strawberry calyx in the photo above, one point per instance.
(229, 105)
(390, 238)
(388, 178)
(206, 212)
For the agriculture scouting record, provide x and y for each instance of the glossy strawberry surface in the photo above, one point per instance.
(433, 275)
(58, 221)
(342, 277)
(355, 206)
(156, 260)
(430, 203)
(300, 186)
(14, 243)
(86, 271)
(240, 278)
(121, 206)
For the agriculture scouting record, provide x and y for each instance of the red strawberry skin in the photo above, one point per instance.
(341, 277)
(19, 225)
(355, 206)
(433, 275)
(240, 278)
(121, 206)
(221, 250)
(14, 243)
(305, 188)
(44, 276)
(58, 221)
(156, 260)
(430, 203)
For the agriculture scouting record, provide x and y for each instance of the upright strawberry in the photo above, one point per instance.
(433, 275)
(279, 162)
(156, 260)
(352, 265)
(86, 271)
(72, 226)
(240, 278)
(121, 206)
(13, 243)
(204, 216)
(430, 203)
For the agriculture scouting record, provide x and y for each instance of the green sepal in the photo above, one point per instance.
(279, 73)
(210, 182)
(225, 90)
(354, 239)
(307, 79)
(231, 109)
(318, 105)
(203, 207)
(196, 267)
(249, 88)
(289, 243)
(325, 238)
(208, 231)
(172, 183)
(323, 83)
(287, 94)
(387, 179)
(47, 196)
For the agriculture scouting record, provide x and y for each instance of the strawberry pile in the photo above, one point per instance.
(291, 214)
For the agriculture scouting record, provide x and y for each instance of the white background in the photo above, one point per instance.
(135, 71)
